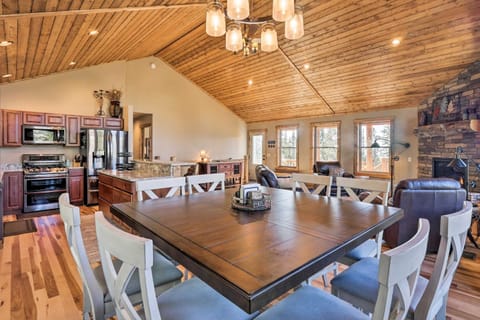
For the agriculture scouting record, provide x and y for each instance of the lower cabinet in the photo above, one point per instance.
(12, 192)
(76, 186)
(113, 190)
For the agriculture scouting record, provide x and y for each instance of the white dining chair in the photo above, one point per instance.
(192, 299)
(398, 272)
(318, 182)
(210, 181)
(97, 302)
(174, 184)
(357, 284)
(376, 189)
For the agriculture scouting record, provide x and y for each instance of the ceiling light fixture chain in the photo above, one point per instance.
(238, 14)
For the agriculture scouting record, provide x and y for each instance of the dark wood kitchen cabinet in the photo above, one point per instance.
(12, 192)
(12, 128)
(75, 185)
(72, 138)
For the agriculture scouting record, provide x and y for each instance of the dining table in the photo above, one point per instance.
(252, 258)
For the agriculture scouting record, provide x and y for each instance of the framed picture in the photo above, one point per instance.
(446, 108)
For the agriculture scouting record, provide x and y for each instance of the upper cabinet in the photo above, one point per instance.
(38, 118)
(72, 138)
(113, 123)
(12, 128)
(92, 122)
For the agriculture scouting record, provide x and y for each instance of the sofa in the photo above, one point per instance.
(331, 168)
(427, 198)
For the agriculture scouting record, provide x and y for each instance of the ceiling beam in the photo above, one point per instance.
(99, 10)
(307, 82)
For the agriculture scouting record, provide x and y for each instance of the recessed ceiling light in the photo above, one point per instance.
(5, 43)
(72, 63)
(395, 42)
(250, 82)
(8, 75)
(93, 32)
(306, 66)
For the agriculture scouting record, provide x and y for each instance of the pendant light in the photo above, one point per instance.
(234, 40)
(215, 22)
(238, 9)
(294, 25)
(283, 9)
(268, 42)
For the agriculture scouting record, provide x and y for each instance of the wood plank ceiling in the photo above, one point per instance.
(347, 44)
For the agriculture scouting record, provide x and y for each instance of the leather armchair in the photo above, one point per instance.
(427, 198)
(324, 167)
(266, 177)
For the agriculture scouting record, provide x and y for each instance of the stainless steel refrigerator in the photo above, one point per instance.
(101, 149)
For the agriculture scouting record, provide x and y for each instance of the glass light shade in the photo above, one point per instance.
(238, 9)
(268, 40)
(294, 25)
(215, 23)
(283, 9)
(234, 41)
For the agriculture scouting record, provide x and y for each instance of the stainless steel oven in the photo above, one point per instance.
(45, 179)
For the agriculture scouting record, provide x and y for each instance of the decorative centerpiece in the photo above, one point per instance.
(114, 96)
(250, 198)
(99, 94)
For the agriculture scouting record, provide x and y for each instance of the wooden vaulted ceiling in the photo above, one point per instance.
(347, 44)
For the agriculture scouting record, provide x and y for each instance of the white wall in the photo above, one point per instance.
(405, 121)
(186, 119)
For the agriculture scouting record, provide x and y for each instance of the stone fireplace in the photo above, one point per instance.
(444, 127)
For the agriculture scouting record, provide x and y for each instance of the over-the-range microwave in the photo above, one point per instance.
(43, 135)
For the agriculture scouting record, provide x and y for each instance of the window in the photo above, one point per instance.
(326, 141)
(287, 146)
(373, 161)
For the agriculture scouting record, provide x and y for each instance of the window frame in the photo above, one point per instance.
(314, 126)
(358, 148)
(279, 146)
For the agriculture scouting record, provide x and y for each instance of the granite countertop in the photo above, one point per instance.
(132, 175)
(168, 163)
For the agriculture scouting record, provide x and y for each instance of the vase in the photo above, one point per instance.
(114, 109)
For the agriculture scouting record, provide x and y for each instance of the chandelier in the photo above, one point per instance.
(241, 29)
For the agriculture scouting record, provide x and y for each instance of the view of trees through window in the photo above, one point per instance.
(374, 159)
(326, 141)
(287, 146)
(257, 142)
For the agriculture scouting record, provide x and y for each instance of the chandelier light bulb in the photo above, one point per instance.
(238, 9)
(283, 9)
(294, 25)
(215, 22)
(269, 41)
(234, 41)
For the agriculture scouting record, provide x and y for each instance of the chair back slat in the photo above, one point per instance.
(212, 180)
(71, 219)
(375, 187)
(136, 254)
(175, 184)
(319, 181)
(453, 231)
(398, 272)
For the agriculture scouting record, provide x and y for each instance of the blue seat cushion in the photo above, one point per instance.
(193, 299)
(358, 285)
(165, 275)
(309, 303)
(365, 250)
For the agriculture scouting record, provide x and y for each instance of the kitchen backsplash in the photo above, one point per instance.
(14, 155)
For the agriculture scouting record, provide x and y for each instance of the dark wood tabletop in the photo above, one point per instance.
(253, 258)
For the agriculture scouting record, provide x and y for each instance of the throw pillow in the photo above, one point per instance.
(336, 172)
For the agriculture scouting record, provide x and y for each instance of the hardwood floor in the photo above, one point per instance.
(39, 280)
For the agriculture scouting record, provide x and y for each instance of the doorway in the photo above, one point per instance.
(256, 150)
(142, 136)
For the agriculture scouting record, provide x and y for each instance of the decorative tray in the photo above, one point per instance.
(253, 205)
